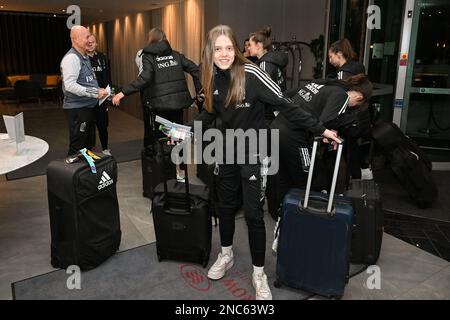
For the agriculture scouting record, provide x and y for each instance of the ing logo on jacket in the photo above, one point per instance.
(167, 64)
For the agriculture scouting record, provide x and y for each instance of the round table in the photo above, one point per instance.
(32, 149)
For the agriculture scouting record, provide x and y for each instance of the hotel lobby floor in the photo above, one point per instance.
(407, 272)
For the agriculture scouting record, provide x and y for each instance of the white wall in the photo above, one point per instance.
(304, 19)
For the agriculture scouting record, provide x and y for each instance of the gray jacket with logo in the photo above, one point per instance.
(80, 85)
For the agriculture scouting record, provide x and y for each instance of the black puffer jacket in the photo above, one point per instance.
(162, 81)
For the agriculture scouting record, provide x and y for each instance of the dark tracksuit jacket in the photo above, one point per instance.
(326, 100)
(351, 68)
(100, 66)
(274, 63)
(351, 147)
(259, 91)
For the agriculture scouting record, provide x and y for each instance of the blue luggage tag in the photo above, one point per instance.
(89, 160)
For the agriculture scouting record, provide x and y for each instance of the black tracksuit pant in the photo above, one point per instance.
(81, 123)
(151, 128)
(102, 122)
(253, 188)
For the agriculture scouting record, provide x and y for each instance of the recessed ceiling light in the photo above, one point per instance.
(1, 7)
(63, 10)
(54, 15)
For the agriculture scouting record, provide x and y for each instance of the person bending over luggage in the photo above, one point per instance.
(235, 93)
(328, 100)
(163, 82)
(272, 62)
(342, 56)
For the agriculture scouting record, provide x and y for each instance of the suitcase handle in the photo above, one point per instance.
(183, 167)
(320, 207)
(311, 171)
(177, 212)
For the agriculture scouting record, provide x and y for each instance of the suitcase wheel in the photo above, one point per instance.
(277, 284)
(158, 255)
(205, 260)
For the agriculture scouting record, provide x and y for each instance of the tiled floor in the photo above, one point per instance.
(408, 272)
(48, 122)
(429, 235)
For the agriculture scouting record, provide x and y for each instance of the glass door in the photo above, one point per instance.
(382, 51)
(377, 49)
(426, 114)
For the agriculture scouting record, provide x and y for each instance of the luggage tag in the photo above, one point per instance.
(93, 155)
(89, 159)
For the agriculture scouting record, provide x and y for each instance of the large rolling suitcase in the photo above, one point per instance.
(155, 158)
(367, 232)
(408, 162)
(314, 240)
(84, 211)
(182, 221)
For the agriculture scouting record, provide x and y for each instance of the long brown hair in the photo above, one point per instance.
(156, 35)
(344, 46)
(236, 91)
(263, 36)
(359, 83)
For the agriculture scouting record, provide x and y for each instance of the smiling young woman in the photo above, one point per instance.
(230, 81)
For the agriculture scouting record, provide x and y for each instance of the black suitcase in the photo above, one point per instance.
(155, 158)
(84, 212)
(182, 221)
(408, 162)
(367, 233)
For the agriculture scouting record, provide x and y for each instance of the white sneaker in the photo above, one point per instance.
(261, 286)
(106, 152)
(366, 174)
(223, 263)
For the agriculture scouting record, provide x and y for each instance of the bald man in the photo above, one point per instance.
(81, 92)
